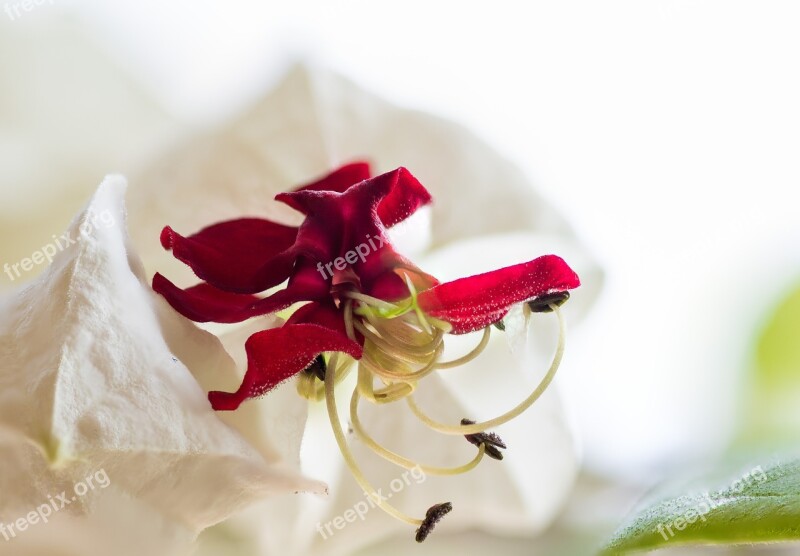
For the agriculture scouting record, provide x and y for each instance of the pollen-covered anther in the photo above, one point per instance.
(492, 444)
(433, 516)
(318, 368)
(544, 303)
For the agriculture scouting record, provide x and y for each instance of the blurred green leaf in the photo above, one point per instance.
(778, 349)
(772, 412)
(758, 504)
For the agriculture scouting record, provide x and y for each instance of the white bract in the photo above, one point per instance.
(96, 377)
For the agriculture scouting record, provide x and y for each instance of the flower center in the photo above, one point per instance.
(402, 346)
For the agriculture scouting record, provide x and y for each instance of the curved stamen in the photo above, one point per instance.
(399, 460)
(348, 319)
(391, 393)
(382, 365)
(371, 301)
(471, 355)
(506, 417)
(358, 475)
(407, 331)
(312, 389)
(410, 355)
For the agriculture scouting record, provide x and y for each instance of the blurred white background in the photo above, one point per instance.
(668, 132)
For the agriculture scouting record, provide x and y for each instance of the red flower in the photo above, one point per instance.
(361, 298)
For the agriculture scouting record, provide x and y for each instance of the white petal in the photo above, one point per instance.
(89, 382)
(492, 497)
(313, 121)
(275, 423)
(118, 525)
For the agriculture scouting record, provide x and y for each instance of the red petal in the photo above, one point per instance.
(278, 354)
(475, 302)
(396, 194)
(242, 256)
(323, 313)
(389, 287)
(205, 303)
(406, 194)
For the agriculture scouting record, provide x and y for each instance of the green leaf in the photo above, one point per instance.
(771, 413)
(759, 503)
(778, 349)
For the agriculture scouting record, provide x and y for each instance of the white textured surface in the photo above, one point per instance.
(95, 375)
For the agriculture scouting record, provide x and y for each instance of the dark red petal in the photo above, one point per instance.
(406, 195)
(242, 256)
(389, 287)
(395, 195)
(477, 301)
(340, 179)
(205, 303)
(323, 313)
(278, 354)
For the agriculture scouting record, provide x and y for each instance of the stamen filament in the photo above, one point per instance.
(311, 389)
(391, 393)
(371, 301)
(471, 355)
(405, 352)
(358, 475)
(348, 319)
(417, 309)
(506, 417)
(399, 460)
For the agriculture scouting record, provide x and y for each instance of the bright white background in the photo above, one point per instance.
(668, 132)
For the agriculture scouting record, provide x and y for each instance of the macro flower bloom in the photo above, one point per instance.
(362, 301)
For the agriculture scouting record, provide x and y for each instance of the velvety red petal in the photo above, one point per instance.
(389, 287)
(405, 195)
(278, 354)
(242, 256)
(472, 303)
(393, 197)
(205, 303)
(323, 313)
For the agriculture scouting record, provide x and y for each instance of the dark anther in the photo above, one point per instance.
(318, 368)
(433, 516)
(542, 303)
(500, 325)
(491, 442)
